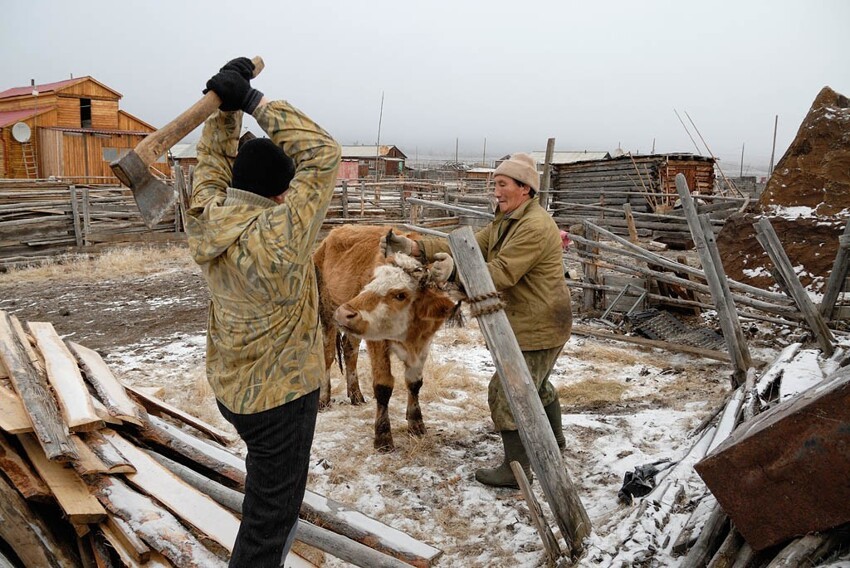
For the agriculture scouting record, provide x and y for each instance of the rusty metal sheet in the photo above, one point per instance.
(787, 471)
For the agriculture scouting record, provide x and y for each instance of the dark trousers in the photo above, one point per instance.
(278, 442)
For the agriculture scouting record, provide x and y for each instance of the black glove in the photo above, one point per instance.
(241, 65)
(234, 90)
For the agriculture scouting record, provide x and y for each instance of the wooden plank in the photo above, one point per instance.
(136, 547)
(34, 391)
(64, 375)
(534, 429)
(838, 275)
(157, 406)
(183, 500)
(13, 416)
(126, 555)
(768, 239)
(784, 472)
(114, 461)
(108, 388)
(25, 533)
(88, 463)
(21, 475)
(71, 493)
(666, 345)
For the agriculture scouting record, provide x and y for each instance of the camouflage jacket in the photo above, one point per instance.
(264, 344)
(525, 260)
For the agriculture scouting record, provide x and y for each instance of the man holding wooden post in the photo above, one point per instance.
(523, 250)
(252, 225)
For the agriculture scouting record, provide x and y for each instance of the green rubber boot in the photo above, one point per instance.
(503, 476)
(553, 413)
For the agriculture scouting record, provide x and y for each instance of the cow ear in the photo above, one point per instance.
(435, 306)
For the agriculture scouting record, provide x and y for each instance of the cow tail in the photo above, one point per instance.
(339, 353)
(455, 319)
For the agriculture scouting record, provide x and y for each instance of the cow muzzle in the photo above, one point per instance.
(349, 320)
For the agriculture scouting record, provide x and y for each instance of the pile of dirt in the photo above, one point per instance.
(806, 199)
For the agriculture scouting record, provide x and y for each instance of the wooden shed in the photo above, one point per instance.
(369, 161)
(69, 130)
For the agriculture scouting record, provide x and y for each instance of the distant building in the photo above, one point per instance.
(561, 157)
(70, 129)
(371, 161)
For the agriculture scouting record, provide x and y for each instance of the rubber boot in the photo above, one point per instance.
(553, 413)
(503, 476)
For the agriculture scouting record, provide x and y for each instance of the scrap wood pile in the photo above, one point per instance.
(96, 473)
(40, 219)
(764, 484)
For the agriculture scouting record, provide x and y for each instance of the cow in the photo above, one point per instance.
(396, 304)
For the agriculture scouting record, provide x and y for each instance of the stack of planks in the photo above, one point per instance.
(100, 474)
(40, 219)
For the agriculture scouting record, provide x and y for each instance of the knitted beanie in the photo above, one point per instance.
(522, 168)
(262, 167)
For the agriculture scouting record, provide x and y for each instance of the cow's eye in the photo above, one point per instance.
(401, 296)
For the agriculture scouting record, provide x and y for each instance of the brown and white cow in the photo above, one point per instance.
(395, 304)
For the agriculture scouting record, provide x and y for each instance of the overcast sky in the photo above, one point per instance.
(593, 75)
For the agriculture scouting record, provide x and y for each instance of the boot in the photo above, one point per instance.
(503, 476)
(553, 413)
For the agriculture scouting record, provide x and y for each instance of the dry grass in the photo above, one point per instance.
(112, 263)
(592, 392)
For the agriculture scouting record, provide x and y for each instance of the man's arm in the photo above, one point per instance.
(216, 151)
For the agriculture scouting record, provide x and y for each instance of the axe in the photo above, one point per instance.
(154, 197)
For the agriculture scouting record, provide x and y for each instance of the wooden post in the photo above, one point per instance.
(345, 199)
(86, 216)
(837, 277)
(534, 429)
(704, 242)
(362, 198)
(75, 212)
(590, 269)
(547, 166)
(770, 242)
(630, 222)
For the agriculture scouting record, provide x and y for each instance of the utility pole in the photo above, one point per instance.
(742, 160)
(484, 155)
(378, 143)
(773, 149)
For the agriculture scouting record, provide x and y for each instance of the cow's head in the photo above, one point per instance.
(403, 297)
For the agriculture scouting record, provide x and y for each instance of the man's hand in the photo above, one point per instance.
(442, 267)
(233, 86)
(392, 243)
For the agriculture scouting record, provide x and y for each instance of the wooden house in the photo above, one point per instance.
(371, 161)
(69, 130)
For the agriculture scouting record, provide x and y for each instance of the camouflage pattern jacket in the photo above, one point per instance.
(525, 260)
(264, 344)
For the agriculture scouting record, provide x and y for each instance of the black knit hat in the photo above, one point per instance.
(262, 167)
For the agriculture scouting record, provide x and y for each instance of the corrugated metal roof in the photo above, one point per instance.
(184, 150)
(10, 117)
(568, 157)
(97, 131)
(45, 88)
(365, 151)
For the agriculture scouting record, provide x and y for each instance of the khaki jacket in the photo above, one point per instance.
(264, 344)
(524, 256)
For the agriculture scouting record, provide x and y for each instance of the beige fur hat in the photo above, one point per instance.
(522, 168)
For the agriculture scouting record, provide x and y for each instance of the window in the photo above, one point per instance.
(85, 113)
(112, 154)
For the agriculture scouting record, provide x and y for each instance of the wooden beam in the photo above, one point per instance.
(111, 392)
(768, 239)
(534, 429)
(70, 491)
(65, 377)
(838, 275)
(34, 391)
(666, 345)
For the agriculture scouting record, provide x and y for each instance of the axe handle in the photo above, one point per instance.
(156, 144)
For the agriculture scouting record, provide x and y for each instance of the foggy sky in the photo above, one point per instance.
(593, 75)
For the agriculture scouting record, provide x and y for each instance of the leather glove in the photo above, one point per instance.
(392, 243)
(241, 65)
(234, 90)
(442, 267)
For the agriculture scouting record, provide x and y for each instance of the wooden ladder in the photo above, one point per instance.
(30, 165)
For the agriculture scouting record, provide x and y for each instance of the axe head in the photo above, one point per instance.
(153, 197)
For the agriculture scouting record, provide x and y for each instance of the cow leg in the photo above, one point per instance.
(413, 379)
(350, 350)
(329, 334)
(382, 383)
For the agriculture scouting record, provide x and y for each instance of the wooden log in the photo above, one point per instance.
(550, 545)
(110, 391)
(770, 242)
(130, 541)
(156, 406)
(335, 544)
(114, 461)
(728, 551)
(64, 375)
(34, 391)
(838, 276)
(156, 526)
(709, 539)
(652, 343)
(21, 475)
(690, 530)
(183, 500)
(27, 535)
(71, 493)
(746, 556)
(13, 416)
(719, 286)
(455, 208)
(534, 430)
(771, 474)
